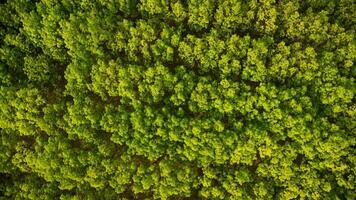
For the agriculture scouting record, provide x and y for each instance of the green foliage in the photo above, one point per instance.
(177, 99)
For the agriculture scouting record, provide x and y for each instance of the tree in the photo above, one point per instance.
(177, 99)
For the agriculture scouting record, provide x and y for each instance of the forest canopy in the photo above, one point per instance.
(177, 99)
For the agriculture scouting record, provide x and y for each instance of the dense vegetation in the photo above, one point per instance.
(177, 99)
